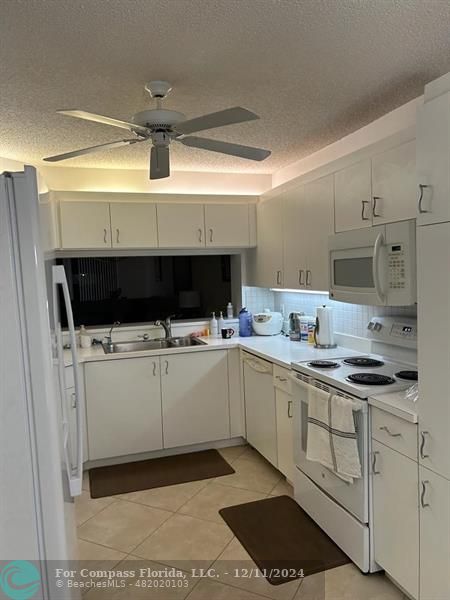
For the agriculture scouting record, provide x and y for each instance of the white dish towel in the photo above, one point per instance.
(331, 434)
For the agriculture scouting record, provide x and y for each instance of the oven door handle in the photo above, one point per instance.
(379, 243)
(357, 405)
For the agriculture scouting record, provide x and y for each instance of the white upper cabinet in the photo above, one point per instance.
(195, 398)
(317, 225)
(181, 225)
(433, 161)
(85, 225)
(133, 225)
(227, 225)
(353, 197)
(269, 254)
(394, 195)
(295, 238)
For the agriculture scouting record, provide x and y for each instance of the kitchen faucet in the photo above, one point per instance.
(166, 325)
(109, 337)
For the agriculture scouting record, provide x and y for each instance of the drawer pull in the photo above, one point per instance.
(389, 432)
(154, 369)
(422, 495)
(280, 378)
(290, 409)
(105, 239)
(374, 463)
(422, 444)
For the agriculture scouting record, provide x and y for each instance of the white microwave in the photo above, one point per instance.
(376, 265)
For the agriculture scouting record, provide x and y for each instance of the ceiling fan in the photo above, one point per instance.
(165, 126)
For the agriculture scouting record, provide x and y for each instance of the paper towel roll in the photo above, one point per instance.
(324, 326)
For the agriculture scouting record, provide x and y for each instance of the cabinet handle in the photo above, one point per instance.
(167, 367)
(422, 495)
(374, 463)
(389, 432)
(422, 444)
(308, 277)
(301, 280)
(374, 208)
(154, 369)
(73, 397)
(200, 235)
(280, 378)
(210, 235)
(289, 409)
(278, 277)
(105, 240)
(118, 236)
(422, 187)
(363, 207)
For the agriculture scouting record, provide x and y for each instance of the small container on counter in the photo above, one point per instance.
(85, 338)
(245, 323)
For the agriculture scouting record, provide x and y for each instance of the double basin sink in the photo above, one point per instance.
(137, 345)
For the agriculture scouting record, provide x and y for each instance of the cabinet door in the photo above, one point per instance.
(394, 184)
(85, 225)
(123, 399)
(319, 223)
(195, 398)
(133, 225)
(353, 197)
(295, 239)
(433, 159)
(181, 225)
(285, 437)
(269, 251)
(434, 536)
(227, 225)
(433, 258)
(396, 516)
(260, 415)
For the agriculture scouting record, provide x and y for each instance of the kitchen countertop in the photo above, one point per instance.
(277, 349)
(396, 404)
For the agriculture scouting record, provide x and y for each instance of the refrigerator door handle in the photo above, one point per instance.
(74, 472)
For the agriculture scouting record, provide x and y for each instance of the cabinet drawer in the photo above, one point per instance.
(394, 432)
(281, 379)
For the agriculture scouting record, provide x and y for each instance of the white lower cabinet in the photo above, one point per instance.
(123, 407)
(284, 416)
(396, 516)
(195, 400)
(260, 412)
(434, 536)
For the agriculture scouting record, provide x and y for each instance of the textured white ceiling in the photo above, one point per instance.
(314, 70)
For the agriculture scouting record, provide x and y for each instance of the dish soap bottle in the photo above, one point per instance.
(229, 310)
(85, 338)
(213, 328)
(220, 324)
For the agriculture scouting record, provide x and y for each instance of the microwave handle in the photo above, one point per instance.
(379, 242)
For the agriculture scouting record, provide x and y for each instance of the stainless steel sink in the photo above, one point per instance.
(136, 346)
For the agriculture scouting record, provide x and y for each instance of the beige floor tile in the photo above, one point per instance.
(168, 583)
(122, 525)
(251, 454)
(256, 475)
(313, 588)
(185, 542)
(171, 497)
(211, 590)
(283, 488)
(231, 453)
(98, 557)
(86, 485)
(234, 559)
(86, 507)
(207, 503)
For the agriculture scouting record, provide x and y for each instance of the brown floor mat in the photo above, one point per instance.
(157, 472)
(282, 539)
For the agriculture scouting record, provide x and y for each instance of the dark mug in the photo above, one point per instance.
(227, 333)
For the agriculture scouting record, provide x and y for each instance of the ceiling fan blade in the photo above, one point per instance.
(75, 153)
(87, 116)
(159, 162)
(226, 148)
(228, 116)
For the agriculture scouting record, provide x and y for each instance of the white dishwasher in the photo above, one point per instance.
(260, 412)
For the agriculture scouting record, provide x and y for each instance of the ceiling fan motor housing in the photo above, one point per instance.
(158, 119)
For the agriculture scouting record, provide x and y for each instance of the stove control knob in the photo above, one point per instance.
(378, 326)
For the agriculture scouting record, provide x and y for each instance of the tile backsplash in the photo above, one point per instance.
(350, 319)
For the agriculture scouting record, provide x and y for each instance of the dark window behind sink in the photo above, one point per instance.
(146, 288)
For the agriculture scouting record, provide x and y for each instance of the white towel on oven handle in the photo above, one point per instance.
(332, 439)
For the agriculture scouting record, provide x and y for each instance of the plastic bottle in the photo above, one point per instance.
(229, 310)
(85, 338)
(220, 324)
(245, 323)
(213, 327)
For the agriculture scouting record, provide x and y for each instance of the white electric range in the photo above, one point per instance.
(342, 509)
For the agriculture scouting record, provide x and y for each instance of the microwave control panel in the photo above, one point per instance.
(397, 267)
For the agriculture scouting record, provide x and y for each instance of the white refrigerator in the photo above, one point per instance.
(41, 426)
